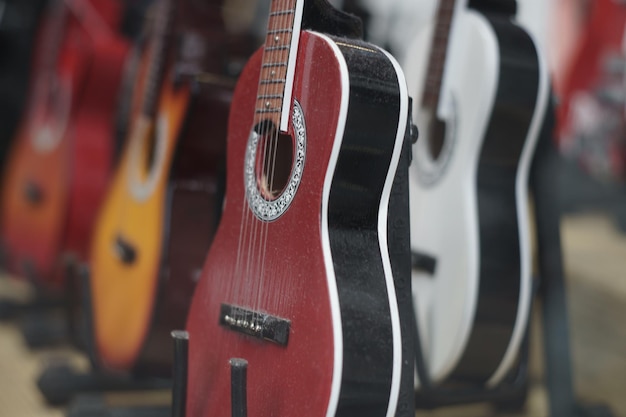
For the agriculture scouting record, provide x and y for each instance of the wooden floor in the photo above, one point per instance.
(595, 256)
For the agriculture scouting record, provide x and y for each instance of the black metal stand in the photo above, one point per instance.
(94, 405)
(552, 288)
(37, 318)
(44, 329)
(11, 309)
(42, 301)
(58, 326)
(60, 382)
(47, 319)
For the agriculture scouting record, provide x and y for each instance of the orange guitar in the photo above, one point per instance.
(160, 213)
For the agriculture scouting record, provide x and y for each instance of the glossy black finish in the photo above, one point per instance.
(499, 249)
(399, 242)
(356, 191)
(503, 7)
(321, 16)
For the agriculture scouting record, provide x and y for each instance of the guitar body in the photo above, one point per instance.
(322, 264)
(164, 204)
(124, 293)
(468, 204)
(61, 158)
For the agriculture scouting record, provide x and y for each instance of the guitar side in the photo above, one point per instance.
(342, 353)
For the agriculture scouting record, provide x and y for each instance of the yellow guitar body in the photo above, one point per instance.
(128, 242)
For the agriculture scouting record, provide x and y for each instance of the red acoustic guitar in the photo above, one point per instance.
(298, 281)
(62, 156)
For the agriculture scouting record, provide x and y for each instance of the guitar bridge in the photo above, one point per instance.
(255, 324)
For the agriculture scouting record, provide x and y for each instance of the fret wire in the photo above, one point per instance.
(277, 48)
(155, 72)
(277, 31)
(267, 110)
(282, 81)
(272, 80)
(282, 12)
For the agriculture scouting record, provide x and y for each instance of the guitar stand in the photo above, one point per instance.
(52, 328)
(57, 326)
(552, 291)
(94, 405)
(60, 382)
(44, 329)
(11, 309)
(238, 379)
(37, 318)
(511, 393)
(41, 302)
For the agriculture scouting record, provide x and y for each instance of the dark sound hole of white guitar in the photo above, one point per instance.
(436, 139)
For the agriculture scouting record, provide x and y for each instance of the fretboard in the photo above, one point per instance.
(437, 60)
(275, 82)
(53, 36)
(158, 51)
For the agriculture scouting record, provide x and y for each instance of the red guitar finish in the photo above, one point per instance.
(63, 152)
(603, 35)
(301, 376)
(298, 282)
(591, 118)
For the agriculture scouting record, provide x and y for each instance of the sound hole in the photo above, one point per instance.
(150, 151)
(274, 162)
(436, 139)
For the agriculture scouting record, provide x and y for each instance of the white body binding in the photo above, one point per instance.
(444, 218)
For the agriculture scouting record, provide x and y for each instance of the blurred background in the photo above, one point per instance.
(585, 44)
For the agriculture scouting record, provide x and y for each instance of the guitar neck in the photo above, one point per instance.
(438, 51)
(278, 63)
(53, 36)
(159, 47)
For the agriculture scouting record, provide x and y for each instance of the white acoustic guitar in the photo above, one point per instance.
(481, 87)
